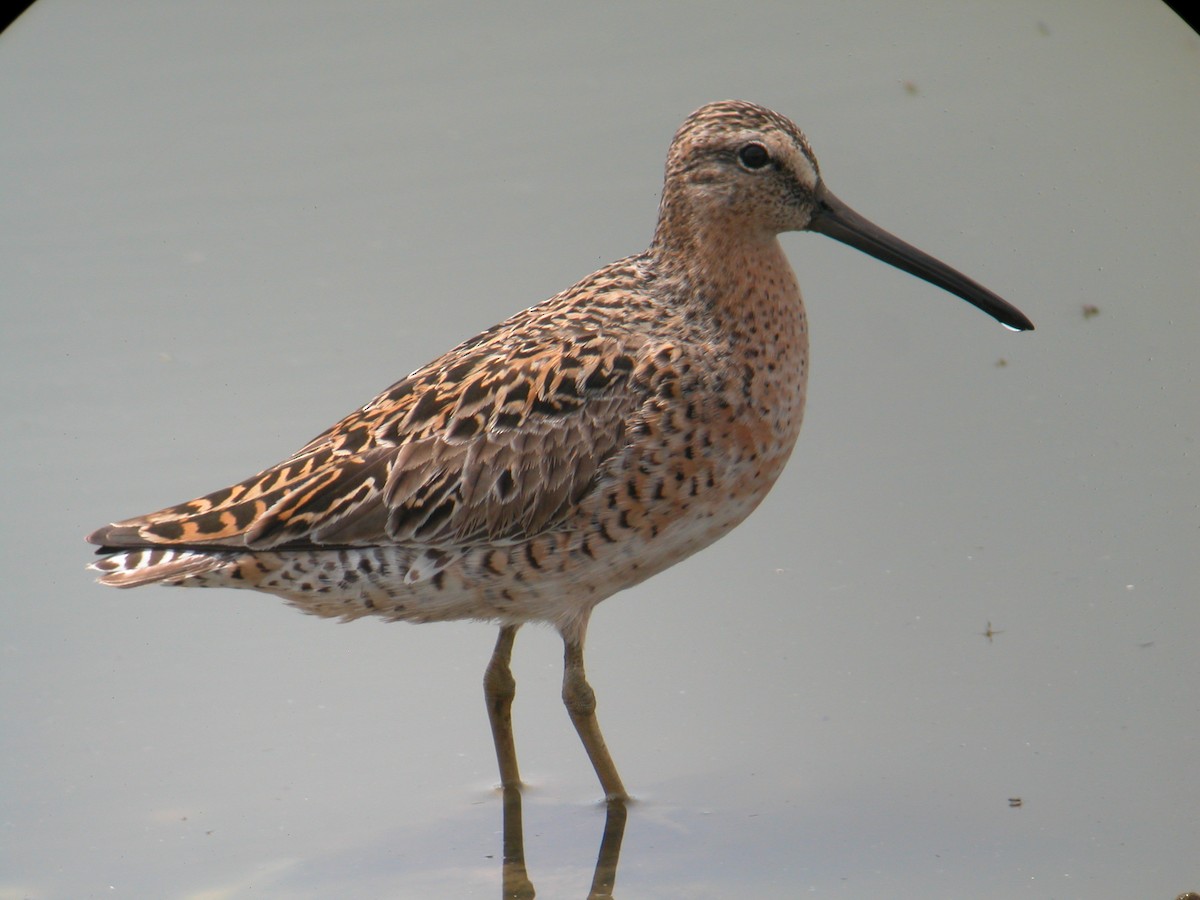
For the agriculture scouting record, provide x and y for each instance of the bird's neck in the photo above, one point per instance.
(740, 275)
(744, 287)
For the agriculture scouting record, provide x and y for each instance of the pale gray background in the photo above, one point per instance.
(227, 224)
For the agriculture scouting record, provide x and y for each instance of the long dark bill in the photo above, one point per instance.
(837, 220)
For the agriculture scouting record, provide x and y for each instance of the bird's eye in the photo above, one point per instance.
(754, 156)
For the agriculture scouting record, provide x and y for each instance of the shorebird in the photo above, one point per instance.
(569, 452)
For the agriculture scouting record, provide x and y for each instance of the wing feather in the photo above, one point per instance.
(488, 444)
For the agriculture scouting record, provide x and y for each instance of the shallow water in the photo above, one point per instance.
(228, 224)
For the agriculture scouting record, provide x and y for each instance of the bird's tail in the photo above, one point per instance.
(161, 565)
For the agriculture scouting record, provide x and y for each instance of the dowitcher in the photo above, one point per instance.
(573, 450)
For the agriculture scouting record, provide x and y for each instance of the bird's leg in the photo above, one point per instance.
(580, 701)
(515, 883)
(499, 688)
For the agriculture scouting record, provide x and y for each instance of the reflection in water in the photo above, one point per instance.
(516, 883)
(610, 851)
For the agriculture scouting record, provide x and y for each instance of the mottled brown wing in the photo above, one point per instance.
(483, 445)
